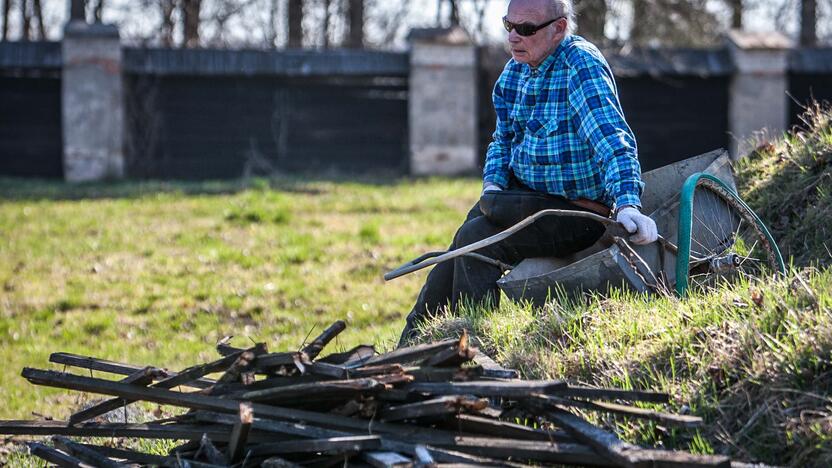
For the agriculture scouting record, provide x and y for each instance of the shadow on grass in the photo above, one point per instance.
(307, 183)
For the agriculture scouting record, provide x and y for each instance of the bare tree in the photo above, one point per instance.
(326, 20)
(190, 22)
(38, 12)
(25, 20)
(592, 18)
(666, 23)
(271, 30)
(166, 8)
(295, 23)
(97, 9)
(77, 10)
(808, 23)
(356, 24)
(736, 8)
(7, 5)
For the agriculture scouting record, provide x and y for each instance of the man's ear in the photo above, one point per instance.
(560, 28)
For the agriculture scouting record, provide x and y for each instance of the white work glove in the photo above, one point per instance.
(491, 188)
(642, 228)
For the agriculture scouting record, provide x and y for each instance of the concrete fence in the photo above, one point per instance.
(90, 109)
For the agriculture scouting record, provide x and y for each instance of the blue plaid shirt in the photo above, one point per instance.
(561, 130)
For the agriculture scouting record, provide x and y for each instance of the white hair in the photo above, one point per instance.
(565, 8)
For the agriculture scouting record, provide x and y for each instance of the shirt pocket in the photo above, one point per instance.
(542, 140)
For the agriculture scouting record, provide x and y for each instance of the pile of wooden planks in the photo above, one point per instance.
(430, 404)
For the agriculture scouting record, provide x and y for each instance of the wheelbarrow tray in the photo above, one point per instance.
(607, 264)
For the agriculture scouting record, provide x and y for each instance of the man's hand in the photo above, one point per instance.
(490, 188)
(642, 227)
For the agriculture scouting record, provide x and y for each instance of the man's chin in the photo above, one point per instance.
(522, 57)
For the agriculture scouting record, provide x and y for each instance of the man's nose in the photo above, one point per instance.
(513, 37)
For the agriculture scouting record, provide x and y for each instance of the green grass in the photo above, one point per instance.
(154, 273)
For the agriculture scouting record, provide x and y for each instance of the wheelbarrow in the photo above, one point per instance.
(709, 235)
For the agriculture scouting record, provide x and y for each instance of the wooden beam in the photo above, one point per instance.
(313, 349)
(407, 354)
(83, 453)
(442, 406)
(112, 367)
(139, 431)
(492, 369)
(141, 377)
(478, 425)
(56, 456)
(387, 460)
(486, 388)
(304, 392)
(239, 433)
(332, 445)
(612, 394)
(669, 419)
(624, 454)
(147, 458)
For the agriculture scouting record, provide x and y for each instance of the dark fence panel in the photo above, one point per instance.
(676, 101)
(264, 111)
(810, 78)
(30, 109)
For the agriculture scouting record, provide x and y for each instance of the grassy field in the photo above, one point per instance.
(157, 273)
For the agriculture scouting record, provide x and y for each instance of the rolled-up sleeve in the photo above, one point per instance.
(592, 95)
(498, 156)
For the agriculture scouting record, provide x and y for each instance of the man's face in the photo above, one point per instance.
(535, 48)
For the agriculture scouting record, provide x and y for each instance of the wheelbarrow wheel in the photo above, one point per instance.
(720, 238)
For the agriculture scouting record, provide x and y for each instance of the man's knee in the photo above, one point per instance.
(474, 230)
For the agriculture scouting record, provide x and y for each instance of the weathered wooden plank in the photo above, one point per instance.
(553, 452)
(239, 433)
(142, 377)
(209, 451)
(452, 356)
(625, 454)
(329, 445)
(83, 453)
(643, 413)
(486, 388)
(113, 367)
(305, 392)
(57, 457)
(313, 349)
(407, 354)
(277, 462)
(343, 372)
(479, 425)
(444, 374)
(441, 406)
(492, 369)
(613, 394)
(387, 459)
(141, 431)
(270, 361)
(357, 356)
(147, 458)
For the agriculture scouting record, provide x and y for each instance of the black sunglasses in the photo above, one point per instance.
(527, 29)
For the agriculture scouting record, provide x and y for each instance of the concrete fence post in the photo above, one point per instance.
(758, 92)
(442, 104)
(92, 102)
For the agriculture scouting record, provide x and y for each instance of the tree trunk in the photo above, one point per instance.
(97, 9)
(592, 17)
(166, 30)
(25, 21)
(77, 10)
(736, 13)
(6, 8)
(38, 12)
(295, 22)
(271, 34)
(326, 24)
(808, 23)
(356, 24)
(454, 13)
(190, 20)
(638, 31)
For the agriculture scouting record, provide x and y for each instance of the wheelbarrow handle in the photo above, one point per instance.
(433, 258)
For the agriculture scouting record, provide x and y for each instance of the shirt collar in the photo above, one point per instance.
(547, 63)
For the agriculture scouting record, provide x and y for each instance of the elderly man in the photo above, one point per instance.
(561, 142)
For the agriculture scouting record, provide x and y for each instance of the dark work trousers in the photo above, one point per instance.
(464, 278)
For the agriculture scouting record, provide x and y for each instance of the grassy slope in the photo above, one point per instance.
(151, 273)
(755, 359)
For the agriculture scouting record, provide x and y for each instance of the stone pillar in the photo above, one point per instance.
(758, 105)
(92, 102)
(443, 103)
